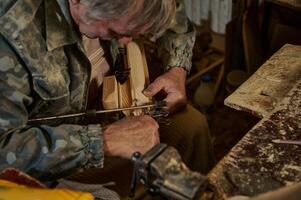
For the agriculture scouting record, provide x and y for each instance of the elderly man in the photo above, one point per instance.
(44, 71)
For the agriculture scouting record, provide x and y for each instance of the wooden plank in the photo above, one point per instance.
(267, 86)
(139, 77)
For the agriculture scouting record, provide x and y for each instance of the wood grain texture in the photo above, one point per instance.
(110, 93)
(130, 93)
(261, 93)
(125, 98)
(137, 75)
(256, 164)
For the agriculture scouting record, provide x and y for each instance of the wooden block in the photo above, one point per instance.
(138, 74)
(110, 93)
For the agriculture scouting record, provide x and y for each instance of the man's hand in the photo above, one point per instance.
(173, 83)
(129, 135)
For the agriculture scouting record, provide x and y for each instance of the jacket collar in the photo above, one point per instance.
(59, 25)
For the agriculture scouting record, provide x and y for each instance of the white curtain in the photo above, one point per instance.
(219, 12)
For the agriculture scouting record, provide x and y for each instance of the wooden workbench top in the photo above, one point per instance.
(261, 93)
(257, 165)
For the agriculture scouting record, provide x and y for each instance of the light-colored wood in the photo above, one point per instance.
(145, 67)
(124, 96)
(130, 93)
(269, 84)
(139, 77)
(137, 74)
(110, 94)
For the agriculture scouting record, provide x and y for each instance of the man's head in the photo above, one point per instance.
(122, 19)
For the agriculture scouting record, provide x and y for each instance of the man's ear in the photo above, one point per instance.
(74, 1)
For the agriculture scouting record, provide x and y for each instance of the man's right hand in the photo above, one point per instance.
(130, 135)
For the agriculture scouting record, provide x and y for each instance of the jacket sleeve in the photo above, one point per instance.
(42, 151)
(175, 46)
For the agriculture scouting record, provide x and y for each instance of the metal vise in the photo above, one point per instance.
(162, 171)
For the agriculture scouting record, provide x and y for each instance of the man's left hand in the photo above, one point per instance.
(173, 83)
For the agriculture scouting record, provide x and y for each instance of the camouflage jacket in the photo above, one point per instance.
(44, 72)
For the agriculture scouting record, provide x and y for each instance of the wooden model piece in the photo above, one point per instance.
(128, 94)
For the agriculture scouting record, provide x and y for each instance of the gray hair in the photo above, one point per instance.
(155, 16)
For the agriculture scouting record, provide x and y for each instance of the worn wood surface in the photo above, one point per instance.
(269, 84)
(257, 165)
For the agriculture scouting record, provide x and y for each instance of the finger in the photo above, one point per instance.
(155, 131)
(174, 101)
(171, 100)
(153, 88)
(157, 138)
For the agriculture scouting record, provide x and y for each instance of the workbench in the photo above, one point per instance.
(263, 91)
(256, 165)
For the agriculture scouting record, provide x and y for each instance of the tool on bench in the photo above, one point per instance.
(162, 171)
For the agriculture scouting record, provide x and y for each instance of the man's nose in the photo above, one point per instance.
(125, 40)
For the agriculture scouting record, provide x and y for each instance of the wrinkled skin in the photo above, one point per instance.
(173, 83)
(129, 135)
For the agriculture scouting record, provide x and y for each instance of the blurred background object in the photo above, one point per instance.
(218, 12)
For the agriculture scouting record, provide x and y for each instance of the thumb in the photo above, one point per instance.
(153, 89)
